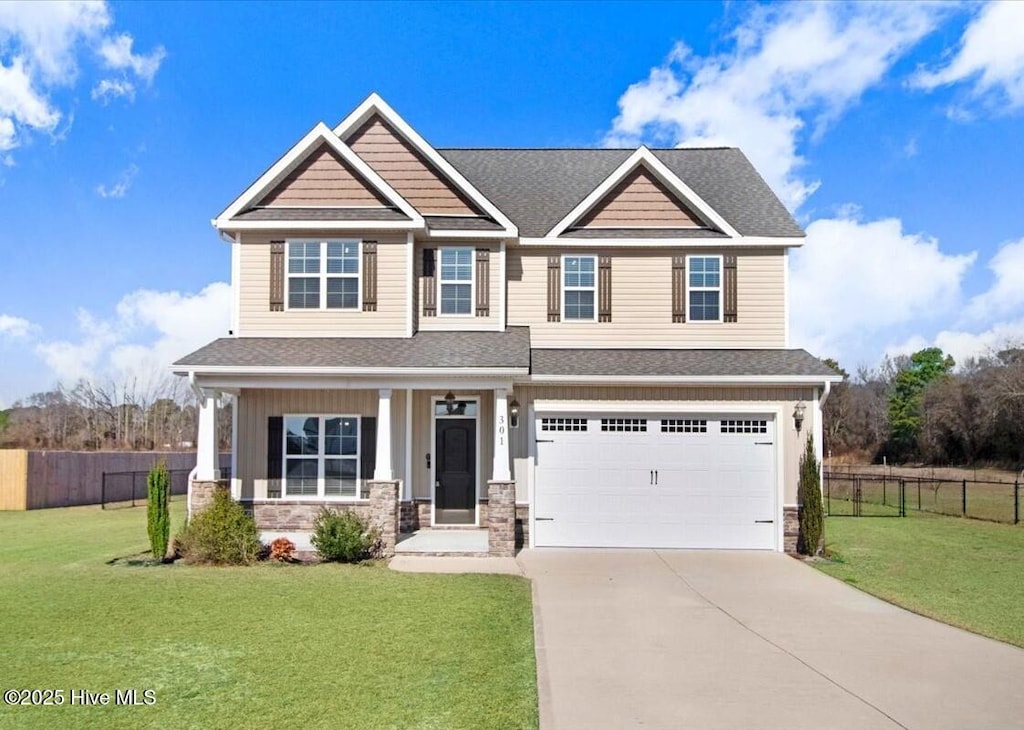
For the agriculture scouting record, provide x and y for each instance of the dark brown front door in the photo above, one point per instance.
(455, 490)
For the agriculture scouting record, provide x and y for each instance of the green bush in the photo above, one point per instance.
(812, 517)
(158, 510)
(222, 534)
(343, 536)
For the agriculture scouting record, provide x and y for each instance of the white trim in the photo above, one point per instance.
(229, 383)
(501, 463)
(502, 288)
(818, 433)
(411, 304)
(236, 281)
(640, 242)
(382, 469)
(322, 275)
(375, 104)
(406, 372)
(686, 379)
(292, 158)
(563, 287)
(448, 233)
(720, 289)
(236, 482)
(643, 156)
(433, 451)
(440, 281)
(321, 457)
(306, 225)
(785, 297)
(407, 486)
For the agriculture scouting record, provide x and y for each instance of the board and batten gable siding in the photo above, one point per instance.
(642, 301)
(639, 201)
(406, 170)
(256, 320)
(255, 406)
(591, 397)
(441, 322)
(323, 179)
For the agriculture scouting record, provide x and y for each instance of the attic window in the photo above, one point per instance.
(323, 274)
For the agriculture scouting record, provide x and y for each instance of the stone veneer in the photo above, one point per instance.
(280, 514)
(790, 528)
(414, 514)
(201, 494)
(501, 519)
(384, 514)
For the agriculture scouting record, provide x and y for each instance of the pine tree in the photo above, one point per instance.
(158, 512)
(812, 520)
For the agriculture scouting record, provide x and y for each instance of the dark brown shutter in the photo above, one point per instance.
(678, 288)
(554, 288)
(604, 289)
(367, 446)
(275, 455)
(369, 276)
(483, 282)
(277, 276)
(729, 287)
(429, 287)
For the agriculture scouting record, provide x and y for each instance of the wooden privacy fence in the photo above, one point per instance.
(40, 479)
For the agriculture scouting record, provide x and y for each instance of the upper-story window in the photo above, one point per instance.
(705, 288)
(456, 281)
(323, 274)
(578, 287)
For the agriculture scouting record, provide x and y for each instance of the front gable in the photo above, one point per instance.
(640, 200)
(323, 179)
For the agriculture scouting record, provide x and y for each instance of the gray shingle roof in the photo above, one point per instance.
(677, 363)
(509, 349)
(460, 223)
(536, 188)
(321, 214)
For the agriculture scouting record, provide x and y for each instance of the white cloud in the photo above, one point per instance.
(108, 89)
(22, 105)
(120, 188)
(790, 65)
(853, 282)
(991, 55)
(1007, 292)
(147, 332)
(963, 344)
(48, 34)
(12, 326)
(117, 54)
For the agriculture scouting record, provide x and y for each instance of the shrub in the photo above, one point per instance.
(812, 518)
(282, 549)
(158, 512)
(222, 534)
(343, 536)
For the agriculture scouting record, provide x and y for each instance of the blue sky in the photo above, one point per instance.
(891, 131)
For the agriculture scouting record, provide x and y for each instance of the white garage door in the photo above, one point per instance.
(671, 481)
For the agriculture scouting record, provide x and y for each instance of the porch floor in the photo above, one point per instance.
(436, 542)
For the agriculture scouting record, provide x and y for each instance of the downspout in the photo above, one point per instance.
(192, 474)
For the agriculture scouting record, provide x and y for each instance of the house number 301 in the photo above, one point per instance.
(501, 430)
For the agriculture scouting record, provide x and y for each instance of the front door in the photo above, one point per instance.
(455, 488)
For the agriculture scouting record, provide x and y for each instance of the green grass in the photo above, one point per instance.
(964, 572)
(267, 646)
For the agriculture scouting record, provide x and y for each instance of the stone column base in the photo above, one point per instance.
(501, 519)
(200, 494)
(790, 528)
(384, 514)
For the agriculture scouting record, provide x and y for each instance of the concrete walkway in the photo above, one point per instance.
(698, 639)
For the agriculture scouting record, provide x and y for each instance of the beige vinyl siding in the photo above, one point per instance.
(639, 201)
(591, 397)
(423, 435)
(256, 320)
(462, 322)
(323, 179)
(407, 171)
(255, 406)
(642, 302)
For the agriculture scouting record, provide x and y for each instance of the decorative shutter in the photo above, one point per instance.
(604, 289)
(369, 276)
(277, 276)
(367, 446)
(275, 455)
(554, 288)
(678, 288)
(429, 286)
(483, 282)
(729, 287)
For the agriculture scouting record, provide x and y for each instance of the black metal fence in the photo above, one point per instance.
(128, 488)
(880, 495)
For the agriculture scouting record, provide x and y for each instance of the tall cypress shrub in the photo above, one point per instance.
(812, 513)
(158, 510)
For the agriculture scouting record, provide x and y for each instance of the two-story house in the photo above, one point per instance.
(599, 333)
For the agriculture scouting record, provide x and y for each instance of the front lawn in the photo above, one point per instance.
(964, 572)
(267, 646)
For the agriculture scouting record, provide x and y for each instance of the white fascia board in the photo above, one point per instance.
(348, 371)
(320, 133)
(648, 406)
(719, 243)
(808, 380)
(441, 383)
(318, 225)
(375, 104)
(643, 156)
(440, 233)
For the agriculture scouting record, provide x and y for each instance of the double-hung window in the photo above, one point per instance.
(456, 281)
(323, 274)
(704, 285)
(321, 456)
(579, 290)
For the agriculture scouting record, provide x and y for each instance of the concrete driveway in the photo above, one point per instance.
(698, 639)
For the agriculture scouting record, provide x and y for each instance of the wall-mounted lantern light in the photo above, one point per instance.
(513, 413)
(449, 402)
(798, 416)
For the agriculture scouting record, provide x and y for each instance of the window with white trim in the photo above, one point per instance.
(579, 287)
(704, 288)
(321, 457)
(456, 281)
(323, 274)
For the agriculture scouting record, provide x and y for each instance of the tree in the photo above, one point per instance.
(158, 513)
(812, 514)
(905, 411)
(837, 409)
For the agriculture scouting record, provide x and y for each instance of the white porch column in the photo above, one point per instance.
(382, 471)
(500, 472)
(206, 441)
